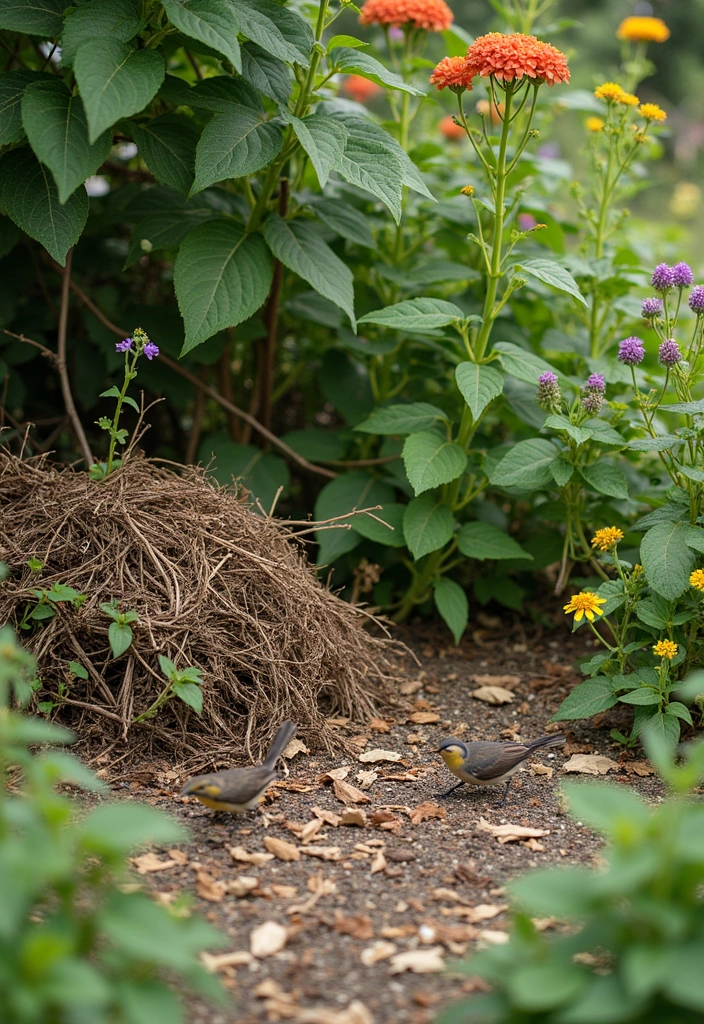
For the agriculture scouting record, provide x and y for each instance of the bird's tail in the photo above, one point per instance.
(547, 741)
(287, 730)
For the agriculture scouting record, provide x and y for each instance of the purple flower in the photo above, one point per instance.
(663, 278)
(682, 276)
(549, 396)
(696, 300)
(631, 351)
(395, 33)
(150, 350)
(592, 402)
(124, 346)
(595, 383)
(669, 352)
(651, 309)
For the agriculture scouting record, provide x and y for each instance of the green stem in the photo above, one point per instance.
(129, 375)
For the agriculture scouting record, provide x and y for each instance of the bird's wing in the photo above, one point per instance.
(282, 739)
(492, 760)
(243, 783)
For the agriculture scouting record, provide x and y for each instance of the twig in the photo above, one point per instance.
(29, 341)
(194, 64)
(195, 431)
(267, 350)
(61, 364)
(225, 383)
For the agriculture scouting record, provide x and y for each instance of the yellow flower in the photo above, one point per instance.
(652, 112)
(594, 124)
(468, 190)
(628, 99)
(607, 538)
(609, 91)
(585, 603)
(696, 579)
(665, 649)
(637, 571)
(643, 30)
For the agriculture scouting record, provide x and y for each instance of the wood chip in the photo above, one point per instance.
(379, 725)
(242, 886)
(329, 817)
(267, 939)
(257, 859)
(149, 862)
(475, 915)
(373, 756)
(359, 926)
(507, 681)
(209, 888)
(295, 746)
(426, 811)
(310, 830)
(284, 892)
(366, 779)
(633, 768)
(533, 844)
(378, 863)
(180, 856)
(380, 950)
(410, 687)
(542, 769)
(511, 833)
(590, 764)
(354, 816)
(419, 961)
(219, 961)
(281, 849)
(493, 938)
(424, 718)
(323, 852)
(493, 695)
(348, 794)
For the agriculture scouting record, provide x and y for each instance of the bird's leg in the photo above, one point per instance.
(502, 801)
(448, 791)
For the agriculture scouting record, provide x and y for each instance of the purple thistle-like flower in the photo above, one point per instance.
(123, 346)
(631, 351)
(682, 276)
(651, 309)
(592, 402)
(669, 352)
(696, 300)
(150, 350)
(595, 383)
(663, 278)
(549, 396)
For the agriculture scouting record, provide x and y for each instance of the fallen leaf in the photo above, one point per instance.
(242, 886)
(219, 961)
(324, 852)
(284, 892)
(384, 818)
(149, 862)
(379, 725)
(281, 849)
(424, 718)
(209, 888)
(378, 863)
(348, 794)
(310, 830)
(493, 695)
(294, 747)
(511, 833)
(354, 816)
(366, 779)
(321, 886)
(335, 773)
(425, 811)
(267, 939)
(329, 817)
(590, 764)
(359, 926)
(448, 934)
(402, 932)
(373, 756)
(493, 938)
(542, 769)
(359, 741)
(380, 950)
(633, 768)
(257, 859)
(268, 989)
(507, 681)
(411, 687)
(419, 961)
(355, 1013)
(449, 895)
(180, 856)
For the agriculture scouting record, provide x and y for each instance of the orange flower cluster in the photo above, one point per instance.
(450, 129)
(359, 88)
(643, 30)
(506, 57)
(431, 15)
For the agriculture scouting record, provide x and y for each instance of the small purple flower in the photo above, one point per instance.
(663, 278)
(395, 33)
(595, 383)
(696, 300)
(150, 350)
(549, 396)
(651, 309)
(682, 276)
(592, 402)
(669, 352)
(124, 346)
(631, 351)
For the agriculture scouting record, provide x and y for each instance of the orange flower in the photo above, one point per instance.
(431, 15)
(453, 72)
(497, 112)
(450, 129)
(508, 57)
(359, 88)
(643, 30)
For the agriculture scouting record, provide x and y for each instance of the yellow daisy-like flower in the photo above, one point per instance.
(665, 649)
(607, 538)
(696, 579)
(652, 112)
(628, 99)
(637, 571)
(594, 124)
(609, 91)
(643, 30)
(583, 604)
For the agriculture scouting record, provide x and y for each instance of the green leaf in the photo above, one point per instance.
(315, 444)
(120, 827)
(655, 444)
(235, 144)
(544, 986)
(479, 385)
(117, 20)
(687, 408)
(166, 229)
(585, 700)
(370, 529)
(607, 808)
(526, 465)
(606, 479)
(222, 277)
(115, 81)
(31, 200)
(345, 220)
(282, 33)
(267, 74)
(222, 93)
(666, 728)
(553, 274)
(370, 164)
(643, 696)
(614, 593)
(694, 538)
(212, 22)
(191, 694)
(344, 382)
(653, 611)
(678, 710)
(12, 87)
(666, 559)
(167, 667)
(77, 669)
(427, 525)
(351, 61)
(262, 473)
(482, 541)
(578, 434)
(57, 130)
(451, 602)
(562, 471)
(355, 490)
(299, 247)
(120, 638)
(35, 17)
(431, 460)
(520, 364)
(323, 138)
(402, 419)
(168, 146)
(417, 315)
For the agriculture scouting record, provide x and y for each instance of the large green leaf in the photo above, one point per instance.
(222, 277)
(606, 479)
(117, 20)
(370, 164)
(553, 274)
(213, 22)
(345, 220)
(12, 88)
(526, 465)
(267, 74)
(323, 139)
(427, 524)
(586, 699)
(370, 528)
(221, 93)
(57, 130)
(32, 202)
(451, 602)
(281, 32)
(479, 385)
(431, 460)
(233, 145)
(371, 133)
(415, 315)
(115, 81)
(520, 364)
(262, 473)
(482, 540)
(667, 559)
(35, 17)
(298, 245)
(168, 146)
(166, 229)
(351, 61)
(402, 419)
(349, 491)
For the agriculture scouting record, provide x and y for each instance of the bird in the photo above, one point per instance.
(487, 764)
(240, 789)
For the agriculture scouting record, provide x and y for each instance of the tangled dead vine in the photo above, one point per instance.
(214, 584)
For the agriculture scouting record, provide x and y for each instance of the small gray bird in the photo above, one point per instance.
(240, 789)
(487, 764)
